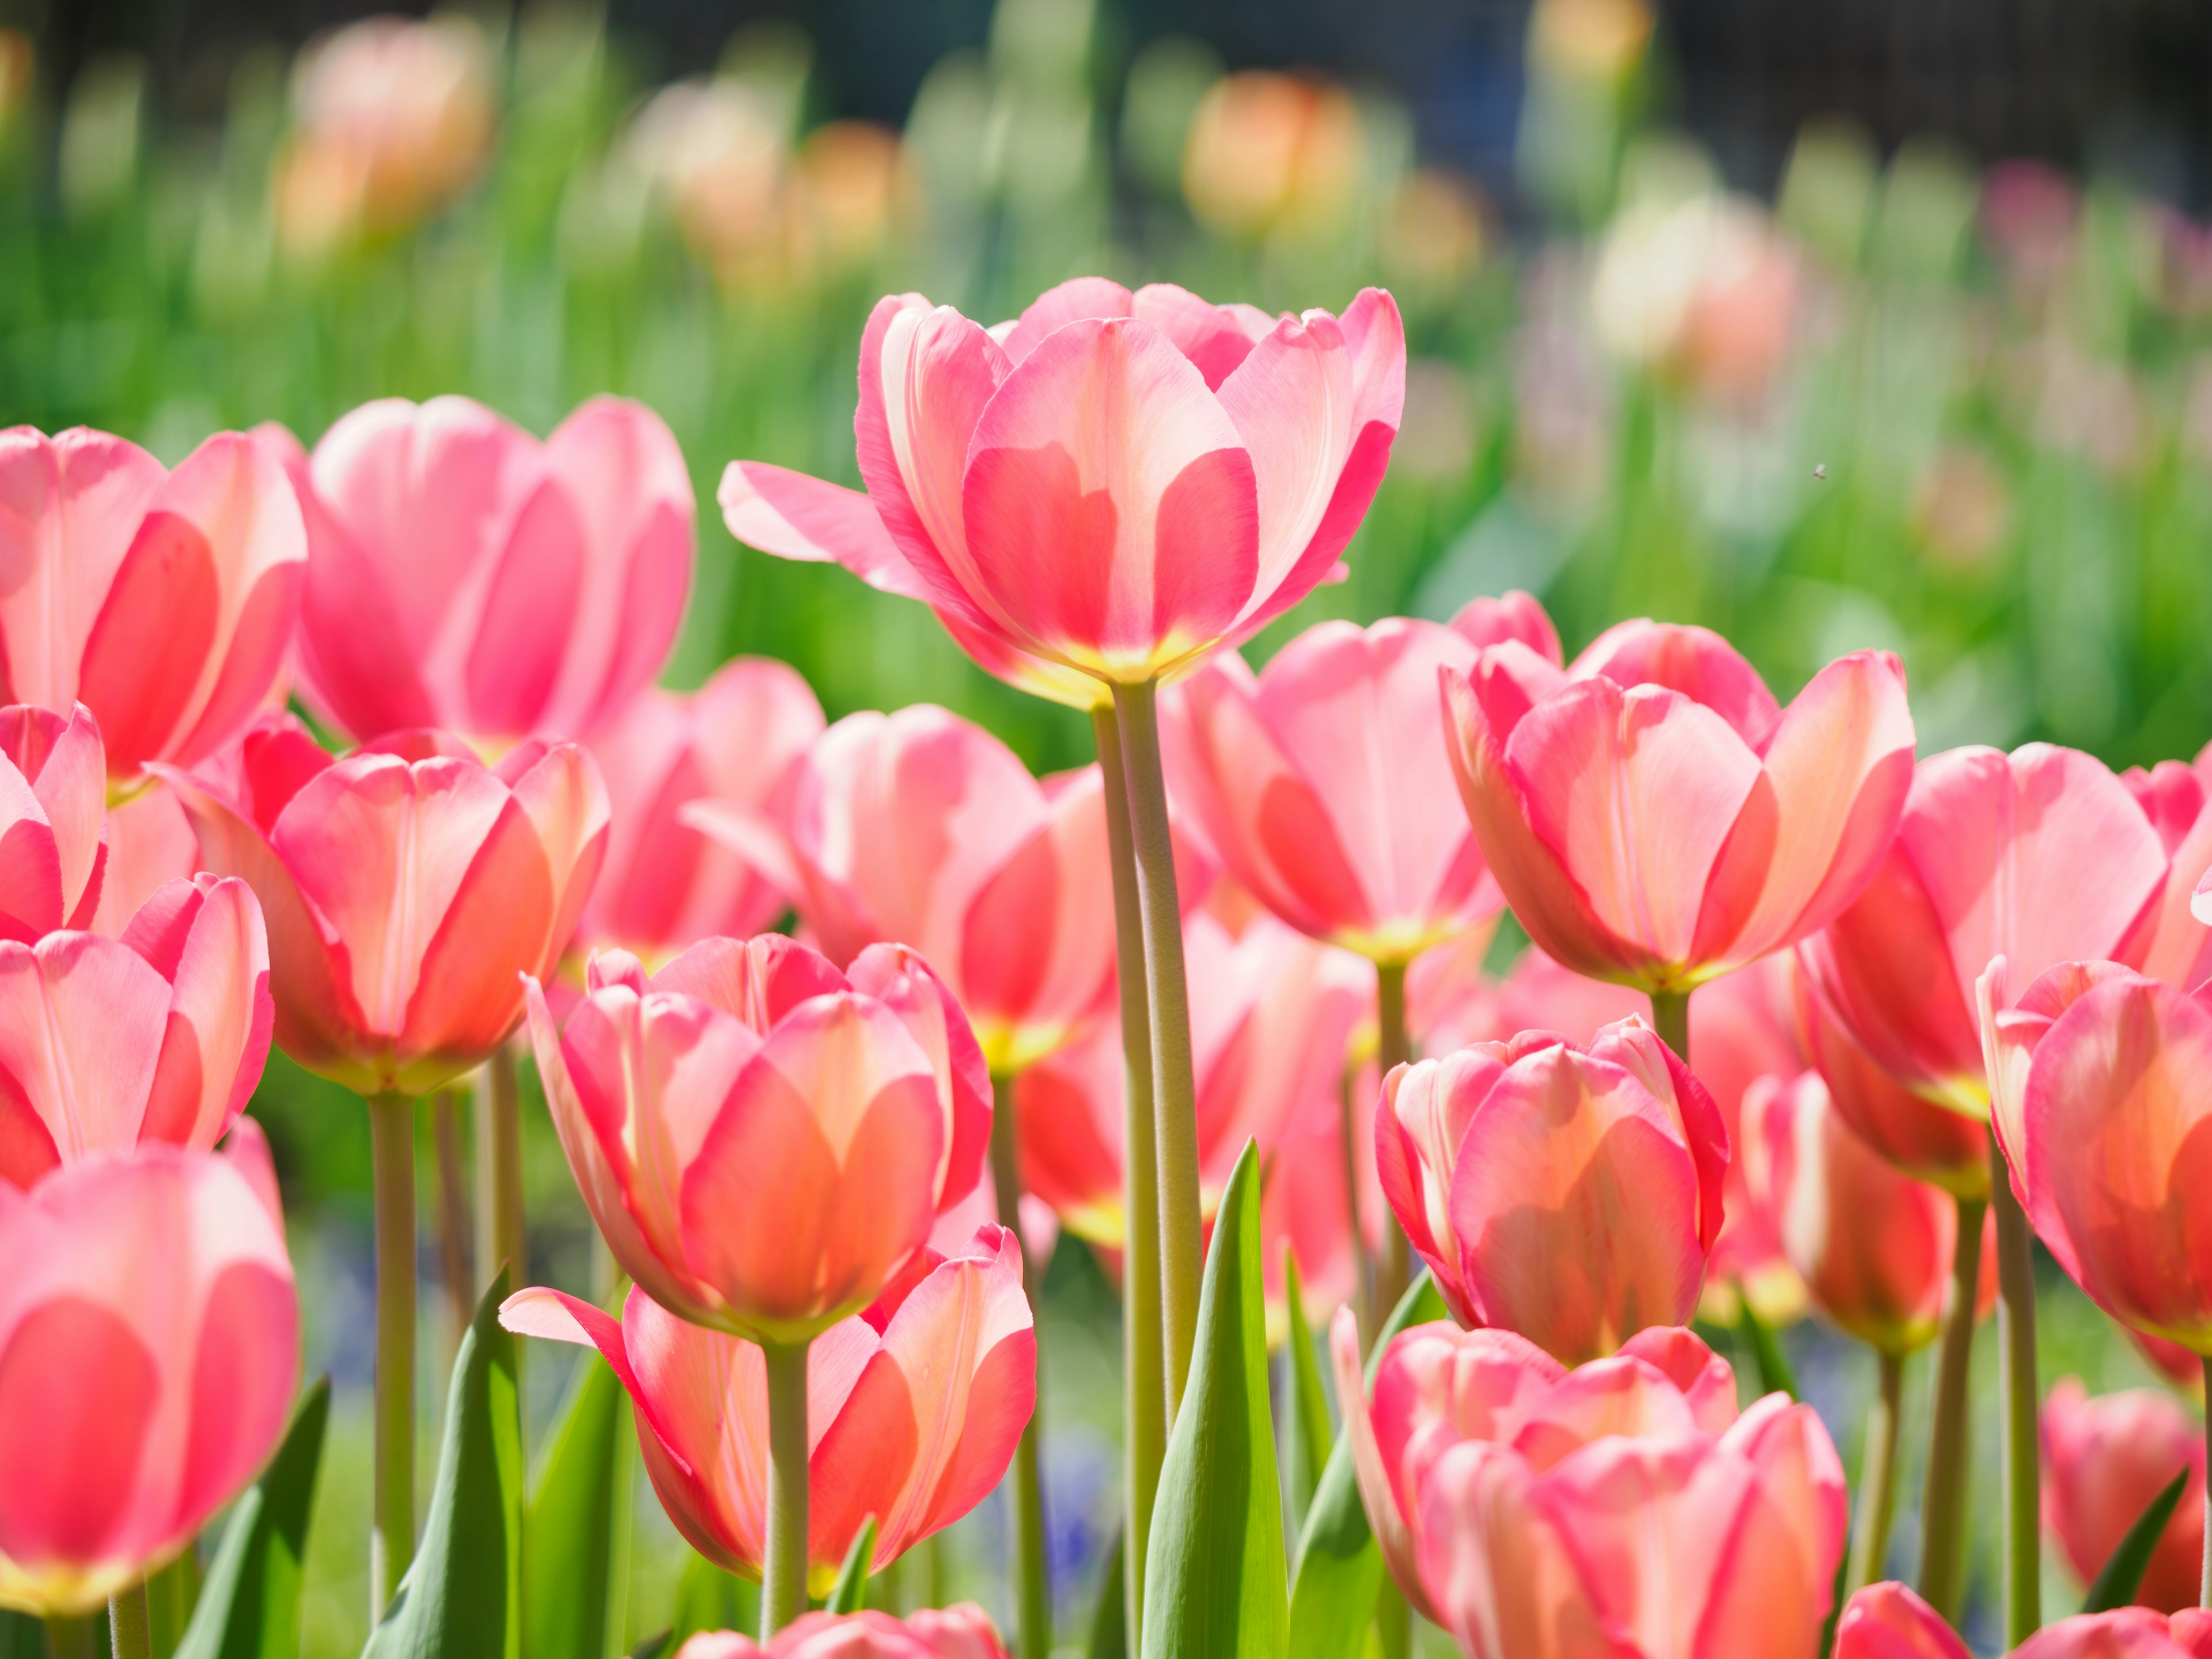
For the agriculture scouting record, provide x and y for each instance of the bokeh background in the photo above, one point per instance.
(1886, 322)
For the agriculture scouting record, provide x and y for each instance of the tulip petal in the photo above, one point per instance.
(30, 862)
(1777, 1581)
(1514, 615)
(65, 763)
(208, 940)
(81, 1022)
(1694, 662)
(1889, 1621)
(792, 516)
(1216, 338)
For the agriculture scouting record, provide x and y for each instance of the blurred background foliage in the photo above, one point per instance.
(1863, 379)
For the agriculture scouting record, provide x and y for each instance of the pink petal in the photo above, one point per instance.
(757, 980)
(792, 516)
(903, 983)
(214, 950)
(1499, 1570)
(1514, 616)
(63, 758)
(1077, 299)
(1889, 1621)
(1694, 662)
(30, 862)
(81, 1021)
(1216, 338)
(150, 843)
(2167, 942)
(1776, 1581)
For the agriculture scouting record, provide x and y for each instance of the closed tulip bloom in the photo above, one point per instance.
(963, 1630)
(53, 820)
(1622, 1509)
(1113, 483)
(1514, 616)
(2104, 1459)
(2040, 856)
(164, 602)
(736, 738)
(150, 1347)
(1889, 1621)
(913, 1406)
(1569, 1194)
(405, 893)
(465, 576)
(763, 1141)
(1655, 818)
(2167, 942)
(1321, 783)
(159, 1035)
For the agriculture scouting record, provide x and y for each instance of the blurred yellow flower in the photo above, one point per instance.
(1432, 235)
(1270, 152)
(1590, 39)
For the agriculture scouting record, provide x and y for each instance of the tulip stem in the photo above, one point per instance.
(1174, 1094)
(1877, 1477)
(1670, 1018)
(1032, 1580)
(72, 1638)
(1347, 1124)
(783, 1573)
(501, 1234)
(1145, 1385)
(2204, 1578)
(453, 1219)
(1943, 1499)
(2021, 1484)
(391, 1541)
(1394, 1046)
(129, 1627)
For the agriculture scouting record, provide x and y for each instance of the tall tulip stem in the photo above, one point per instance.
(1394, 1046)
(1943, 1499)
(783, 1573)
(1032, 1580)
(1167, 996)
(1877, 1477)
(501, 1235)
(2022, 1484)
(129, 1627)
(1144, 1402)
(1670, 1018)
(392, 1151)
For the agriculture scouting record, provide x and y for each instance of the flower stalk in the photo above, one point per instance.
(2022, 1481)
(129, 1627)
(783, 1570)
(1877, 1477)
(391, 1539)
(1943, 1497)
(1032, 1580)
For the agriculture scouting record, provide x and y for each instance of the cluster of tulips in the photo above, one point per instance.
(1216, 1006)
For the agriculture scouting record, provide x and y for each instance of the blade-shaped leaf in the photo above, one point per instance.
(659, 1645)
(1109, 1619)
(850, 1593)
(707, 1598)
(22, 1637)
(249, 1605)
(1213, 1565)
(575, 1536)
(463, 1597)
(171, 1596)
(2122, 1573)
(1775, 1376)
(1310, 1434)
(1339, 1568)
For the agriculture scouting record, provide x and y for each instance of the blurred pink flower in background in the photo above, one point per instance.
(962, 1630)
(1889, 1621)
(1268, 151)
(2104, 1459)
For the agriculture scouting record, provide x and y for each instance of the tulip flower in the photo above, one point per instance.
(913, 1406)
(163, 602)
(464, 575)
(2104, 1459)
(159, 1035)
(150, 843)
(1622, 1508)
(963, 1630)
(54, 821)
(1655, 818)
(1888, 1621)
(736, 739)
(1569, 1194)
(149, 1353)
(1514, 615)
(2167, 942)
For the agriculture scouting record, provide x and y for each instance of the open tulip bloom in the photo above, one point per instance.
(1888, 1621)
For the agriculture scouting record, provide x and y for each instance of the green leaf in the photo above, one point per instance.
(2123, 1570)
(850, 1593)
(249, 1605)
(1109, 1619)
(1767, 1358)
(22, 1637)
(575, 1536)
(1213, 1565)
(707, 1598)
(1339, 1567)
(1310, 1434)
(463, 1597)
(658, 1645)
(171, 1596)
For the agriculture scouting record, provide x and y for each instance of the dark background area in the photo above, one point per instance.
(2124, 85)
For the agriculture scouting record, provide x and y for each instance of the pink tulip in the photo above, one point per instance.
(1873, 1247)
(159, 1035)
(1321, 783)
(164, 602)
(150, 843)
(2040, 856)
(465, 576)
(961, 1631)
(1888, 1621)
(1516, 615)
(736, 738)
(1655, 818)
(1621, 1510)
(913, 1406)
(54, 821)
(764, 1141)
(2167, 942)
(1570, 1194)
(2104, 1459)
(407, 889)
(148, 1351)
(1113, 483)
(1741, 1030)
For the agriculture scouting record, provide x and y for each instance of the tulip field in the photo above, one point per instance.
(1119, 875)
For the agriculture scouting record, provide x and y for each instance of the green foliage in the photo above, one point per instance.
(2123, 1570)
(576, 1537)
(850, 1593)
(707, 1598)
(22, 1637)
(1310, 1436)
(249, 1605)
(1109, 1619)
(1772, 1366)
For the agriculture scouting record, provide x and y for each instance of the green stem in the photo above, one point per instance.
(501, 1234)
(1670, 1018)
(2021, 1484)
(1348, 1123)
(391, 1541)
(1032, 1584)
(1877, 1477)
(1943, 1499)
(454, 1218)
(130, 1630)
(1167, 996)
(1394, 1046)
(1145, 1385)
(783, 1573)
(72, 1638)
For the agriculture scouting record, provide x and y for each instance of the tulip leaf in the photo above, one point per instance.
(1340, 1571)
(1213, 1565)
(850, 1593)
(22, 1637)
(2123, 1571)
(655, 1646)
(462, 1599)
(1775, 1375)
(249, 1605)
(1310, 1436)
(707, 1598)
(1109, 1619)
(575, 1536)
